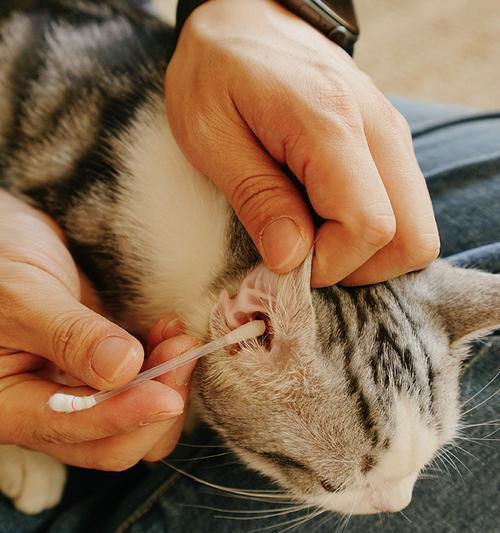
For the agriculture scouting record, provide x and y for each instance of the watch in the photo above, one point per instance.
(334, 18)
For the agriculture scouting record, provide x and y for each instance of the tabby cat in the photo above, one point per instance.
(351, 392)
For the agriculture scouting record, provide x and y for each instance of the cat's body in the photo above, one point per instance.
(352, 392)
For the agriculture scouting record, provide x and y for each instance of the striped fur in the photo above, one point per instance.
(354, 389)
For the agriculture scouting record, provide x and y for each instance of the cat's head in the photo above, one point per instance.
(352, 391)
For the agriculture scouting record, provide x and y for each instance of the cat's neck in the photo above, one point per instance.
(177, 223)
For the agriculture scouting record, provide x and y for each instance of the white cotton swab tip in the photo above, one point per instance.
(248, 331)
(69, 403)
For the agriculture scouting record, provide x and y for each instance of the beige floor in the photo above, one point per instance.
(441, 50)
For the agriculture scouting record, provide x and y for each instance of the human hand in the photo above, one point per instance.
(42, 318)
(252, 88)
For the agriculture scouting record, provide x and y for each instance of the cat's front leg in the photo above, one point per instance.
(32, 480)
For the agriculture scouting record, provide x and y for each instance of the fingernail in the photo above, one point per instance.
(173, 326)
(183, 374)
(280, 241)
(112, 356)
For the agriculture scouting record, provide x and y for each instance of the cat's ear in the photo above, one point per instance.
(278, 298)
(468, 301)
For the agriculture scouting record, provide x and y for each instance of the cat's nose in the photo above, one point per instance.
(394, 495)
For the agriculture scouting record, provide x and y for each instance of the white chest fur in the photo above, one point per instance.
(171, 220)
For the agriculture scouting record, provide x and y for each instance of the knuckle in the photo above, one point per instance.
(424, 250)
(393, 118)
(71, 333)
(338, 106)
(51, 435)
(378, 230)
(254, 196)
(335, 97)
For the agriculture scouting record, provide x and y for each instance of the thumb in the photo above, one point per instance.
(79, 341)
(268, 204)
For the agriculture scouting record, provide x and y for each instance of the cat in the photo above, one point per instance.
(351, 391)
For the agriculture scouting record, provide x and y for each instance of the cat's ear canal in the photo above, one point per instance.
(467, 300)
(282, 301)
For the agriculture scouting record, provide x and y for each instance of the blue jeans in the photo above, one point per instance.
(459, 152)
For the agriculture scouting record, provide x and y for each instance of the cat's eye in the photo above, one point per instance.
(330, 487)
(284, 460)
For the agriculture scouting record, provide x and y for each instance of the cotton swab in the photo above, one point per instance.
(69, 403)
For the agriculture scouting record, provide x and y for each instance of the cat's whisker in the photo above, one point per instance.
(488, 423)
(259, 514)
(260, 517)
(329, 516)
(494, 432)
(482, 388)
(291, 523)
(428, 476)
(305, 520)
(433, 466)
(451, 462)
(459, 460)
(279, 498)
(222, 465)
(445, 466)
(405, 516)
(476, 439)
(455, 445)
(204, 457)
(342, 526)
(252, 498)
(186, 445)
(225, 510)
(491, 396)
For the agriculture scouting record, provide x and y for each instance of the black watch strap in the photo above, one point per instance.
(339, 27)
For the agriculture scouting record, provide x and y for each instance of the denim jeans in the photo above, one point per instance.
(459, 153)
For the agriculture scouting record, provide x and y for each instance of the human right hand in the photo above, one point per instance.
(252, 88)
(42, 319)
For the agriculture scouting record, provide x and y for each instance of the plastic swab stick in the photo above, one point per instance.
(69, 403)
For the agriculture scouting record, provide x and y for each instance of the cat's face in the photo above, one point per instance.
(353, 391)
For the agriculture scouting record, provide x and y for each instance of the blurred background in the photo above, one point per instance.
(436, 50)
(439, 50)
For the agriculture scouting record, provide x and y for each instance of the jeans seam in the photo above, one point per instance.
(424, 130)
(147, 505)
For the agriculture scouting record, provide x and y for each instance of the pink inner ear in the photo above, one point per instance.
(256, 295)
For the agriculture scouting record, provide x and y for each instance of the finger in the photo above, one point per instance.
(115, 454)
(268, 204)
(348, 193)
(265, 200)
(165, 328)
(321, 139)
(416, 242)
(170, 349)
(153, 442)
(179, 381)
(32, 423)
(167, 441)
(13, 362)
(79, 341)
